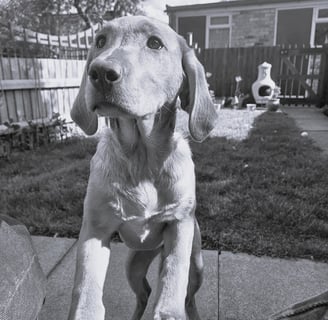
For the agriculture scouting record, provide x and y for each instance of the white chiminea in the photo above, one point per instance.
(262, 88)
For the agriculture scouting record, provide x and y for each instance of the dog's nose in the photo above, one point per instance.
(104, 73)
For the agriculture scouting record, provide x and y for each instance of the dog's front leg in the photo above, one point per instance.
(91, 266)
(172, 288)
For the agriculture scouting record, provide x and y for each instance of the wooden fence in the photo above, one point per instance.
(227, 63)
(35, 88)
(40, 74)
(300, 72)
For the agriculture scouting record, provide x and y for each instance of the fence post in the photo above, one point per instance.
(323, 99)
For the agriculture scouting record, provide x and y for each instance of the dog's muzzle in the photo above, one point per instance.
(103, 74)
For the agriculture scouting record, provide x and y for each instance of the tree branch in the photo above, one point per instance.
(80, 12)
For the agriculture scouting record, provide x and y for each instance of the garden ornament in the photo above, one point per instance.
(262, 88)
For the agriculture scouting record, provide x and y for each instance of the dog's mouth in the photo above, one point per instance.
(116, 103)
(113, 110)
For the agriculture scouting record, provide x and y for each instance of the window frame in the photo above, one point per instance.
(316, 20)
(210, 26)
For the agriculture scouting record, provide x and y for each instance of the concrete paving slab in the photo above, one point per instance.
(118, 297)
(253, 288)
(321, 140)
(50, 250)
(313, 121)
(310, 119)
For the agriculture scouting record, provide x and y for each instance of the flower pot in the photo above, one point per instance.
(273, 104)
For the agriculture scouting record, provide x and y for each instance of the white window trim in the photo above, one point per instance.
(275, 31)
(315, 20)
(217, 26)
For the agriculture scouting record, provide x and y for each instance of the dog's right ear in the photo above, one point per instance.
(84, 118)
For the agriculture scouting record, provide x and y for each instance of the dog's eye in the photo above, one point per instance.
(100, 41)
(155, 43)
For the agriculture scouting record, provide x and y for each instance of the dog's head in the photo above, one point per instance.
(136, 66)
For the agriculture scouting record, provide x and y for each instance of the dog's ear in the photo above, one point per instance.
(195, 97)
(84, 118)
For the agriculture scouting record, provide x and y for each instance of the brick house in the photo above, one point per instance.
(246, 23)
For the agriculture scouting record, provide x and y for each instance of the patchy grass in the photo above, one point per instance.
(231, 124)
(45, 188)
(265, 195)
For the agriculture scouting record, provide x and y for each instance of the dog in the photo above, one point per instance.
(142, 180)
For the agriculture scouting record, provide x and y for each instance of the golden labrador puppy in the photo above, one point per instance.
(142, 181)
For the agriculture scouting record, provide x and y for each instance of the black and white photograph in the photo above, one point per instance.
(163, 160)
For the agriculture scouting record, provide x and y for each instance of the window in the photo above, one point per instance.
(321, 34)
(294, 27)
(219, 20)
(321, 27)
(323, 13)
(218, 31)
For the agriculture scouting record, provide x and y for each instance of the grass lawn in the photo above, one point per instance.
(265, 195)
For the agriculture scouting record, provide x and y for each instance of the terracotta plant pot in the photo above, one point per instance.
(273, 104)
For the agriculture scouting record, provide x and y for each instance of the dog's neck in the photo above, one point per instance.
(149, 137)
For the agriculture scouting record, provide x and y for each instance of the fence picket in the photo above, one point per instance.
(28, 104)
(36, 88)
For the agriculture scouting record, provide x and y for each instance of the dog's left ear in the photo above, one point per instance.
(195, 97)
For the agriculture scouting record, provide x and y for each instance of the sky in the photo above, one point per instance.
(155, 8)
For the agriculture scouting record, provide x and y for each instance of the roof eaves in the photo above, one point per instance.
(227, 4)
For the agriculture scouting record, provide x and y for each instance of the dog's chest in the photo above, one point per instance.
(144, 192)
(136, 202)
(139, 185)
(141, 210)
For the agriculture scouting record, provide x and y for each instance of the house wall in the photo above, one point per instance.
(248, 28)
(259, 23)
(254, 27)
(173, 21)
